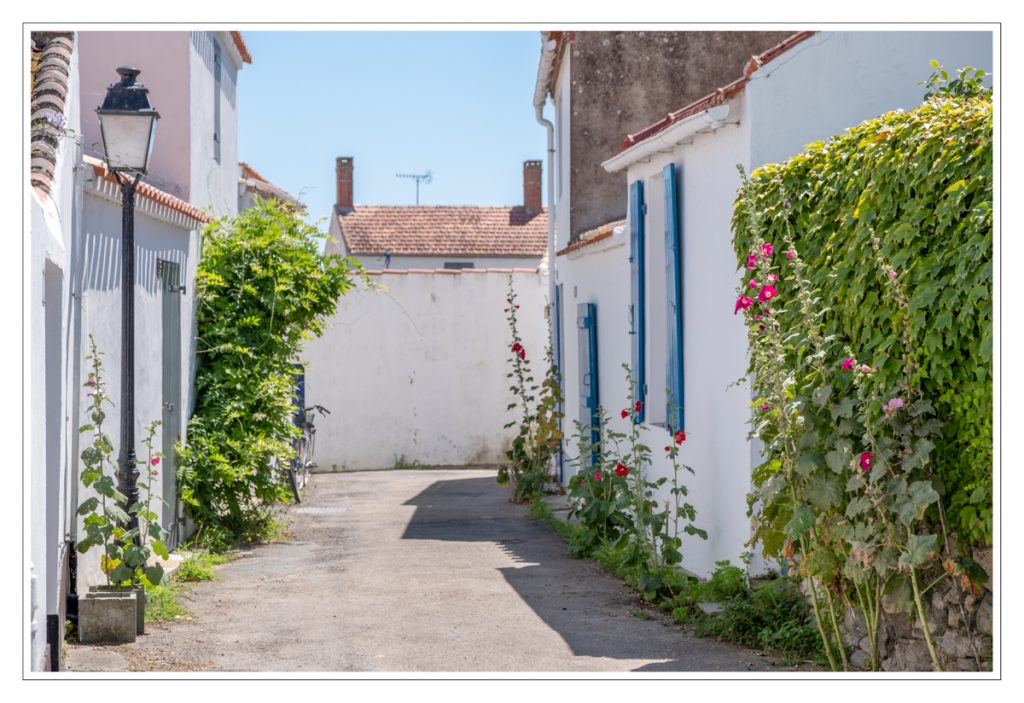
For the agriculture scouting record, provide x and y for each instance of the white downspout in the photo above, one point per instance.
(540, 94)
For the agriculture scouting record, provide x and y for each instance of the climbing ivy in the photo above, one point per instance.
(913, 189)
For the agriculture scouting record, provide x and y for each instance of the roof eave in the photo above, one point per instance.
(668, 138)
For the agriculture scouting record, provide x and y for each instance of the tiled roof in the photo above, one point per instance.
(720, 95)
(51, 69)
(149, 192)
(240, 45)
(591, 237)
(448, 230)
(255, 183)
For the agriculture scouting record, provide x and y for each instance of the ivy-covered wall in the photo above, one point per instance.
(921, 181)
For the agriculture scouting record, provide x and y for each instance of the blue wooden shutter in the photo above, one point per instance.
(637, 326)
(586, 322)
(556, 343)
(674, 299)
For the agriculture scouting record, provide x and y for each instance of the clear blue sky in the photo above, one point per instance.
(457, 103)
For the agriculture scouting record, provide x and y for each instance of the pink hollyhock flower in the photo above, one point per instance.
(790, 254)
(743, 303)
(772, 278)
(754, 284)
(893, 274)
(155, 473)
(758, 318)
(848, 364)
(767, 250)
(621, 470)
(767, 293)
(598, 475)
(625, 414)
(865, 368)
(154, 461)
(751, 261)
(896, 403)
(765, 406)
(866, 461)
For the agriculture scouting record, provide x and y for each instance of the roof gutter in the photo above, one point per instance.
(710, 119)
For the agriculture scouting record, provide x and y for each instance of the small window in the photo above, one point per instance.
(458, 264)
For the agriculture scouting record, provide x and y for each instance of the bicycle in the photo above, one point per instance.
(301, 463)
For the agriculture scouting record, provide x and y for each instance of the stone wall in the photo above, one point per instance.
(959, 623)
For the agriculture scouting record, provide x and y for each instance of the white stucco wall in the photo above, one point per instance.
(48, 253)
(159, 234)
(836, 80)
(562, 100)
(214, 184)
(417, 370)
(163, 59)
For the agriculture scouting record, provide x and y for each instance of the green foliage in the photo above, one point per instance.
(539, 436)
(127, 534)
(164, 602)
(263, 287)
(862, 383)
(969, 83)
(919, 182)
(199, 566)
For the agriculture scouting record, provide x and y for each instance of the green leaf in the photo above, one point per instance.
(803, 519)
(898, 594)
(88, 505)
(821, 395)
(823, 492)
(116, 513)
(154, 574)
(844, 408)
(920, 549)
(839, 459)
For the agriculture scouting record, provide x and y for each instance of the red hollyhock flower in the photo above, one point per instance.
(866, 461)
(680, 436)
(522, 353)
(639, 405)
(621, 470)
(668, 448)
(625, 414)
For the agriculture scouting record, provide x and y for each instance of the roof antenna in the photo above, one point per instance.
(424, 177)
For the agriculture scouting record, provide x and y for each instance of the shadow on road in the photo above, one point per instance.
(590, 610)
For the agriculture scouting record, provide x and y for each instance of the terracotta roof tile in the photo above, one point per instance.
(449, 230)
(592, 237)
(240, 45)
(149, 192)
(720, 95)
(51, 68)
(255, 183)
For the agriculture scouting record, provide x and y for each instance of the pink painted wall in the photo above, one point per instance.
(163, 58)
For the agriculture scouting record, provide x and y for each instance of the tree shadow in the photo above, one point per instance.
(594, 613)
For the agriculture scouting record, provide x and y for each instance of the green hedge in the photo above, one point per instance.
(922, 182)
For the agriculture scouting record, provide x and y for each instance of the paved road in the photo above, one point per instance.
(419, 570)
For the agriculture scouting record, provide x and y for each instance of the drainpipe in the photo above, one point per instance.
(540, 95)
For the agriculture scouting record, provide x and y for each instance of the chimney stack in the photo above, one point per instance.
(343, 172)
(532, 181)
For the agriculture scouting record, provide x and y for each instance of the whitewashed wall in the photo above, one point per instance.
(159, 234)
(836, 80)
(46, 342)
(416, 370)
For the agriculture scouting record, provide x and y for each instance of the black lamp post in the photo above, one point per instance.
(127, 125)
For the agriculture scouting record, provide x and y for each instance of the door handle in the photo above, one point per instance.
(168, 407)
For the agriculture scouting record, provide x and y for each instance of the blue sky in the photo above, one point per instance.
(456, 103)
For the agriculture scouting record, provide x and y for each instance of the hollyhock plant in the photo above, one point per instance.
(680, 436)
(767, 293)
(598, 476)
(625, 414)
(154, 461)
(744, 302)
(751, 261)
(790, 254)
(866, 461)
(767, 250)
(621, 470)
(848, 364)
(639, 406)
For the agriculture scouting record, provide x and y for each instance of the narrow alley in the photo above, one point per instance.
(422, 570)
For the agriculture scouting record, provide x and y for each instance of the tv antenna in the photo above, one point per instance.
(425, 177)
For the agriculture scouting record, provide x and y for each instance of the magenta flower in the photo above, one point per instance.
(751, 261)
(743, 303)
(865, 368)
(598, 476)
(772, 278)
(866, 461)
(767, 293)
(790, 254)
(758, 318)
(154, 461)
(848, 364)
(765, 406)
(754, 283)
(767, 250)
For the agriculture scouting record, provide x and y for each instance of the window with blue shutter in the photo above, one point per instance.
(637, 313)
(586, 322)
(674, 299)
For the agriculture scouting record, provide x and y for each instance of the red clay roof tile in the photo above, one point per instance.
(449, 230)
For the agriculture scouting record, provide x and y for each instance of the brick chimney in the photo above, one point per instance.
(532, 181)
(343, 172)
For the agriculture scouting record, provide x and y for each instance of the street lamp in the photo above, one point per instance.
(127, 125)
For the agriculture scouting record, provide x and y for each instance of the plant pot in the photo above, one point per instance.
(108, 617)
(140, 601)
